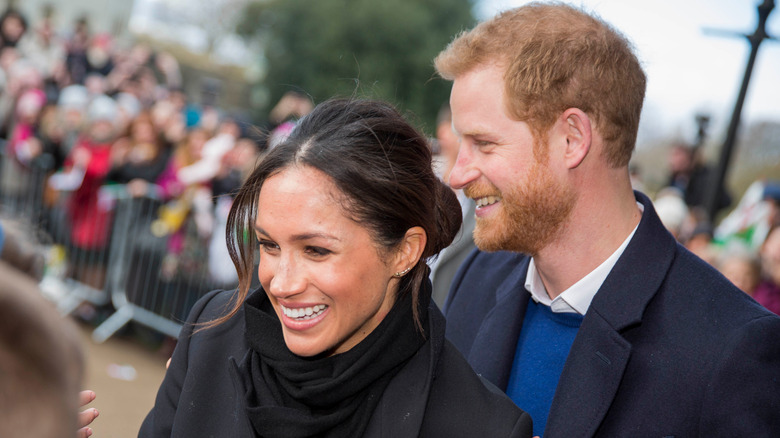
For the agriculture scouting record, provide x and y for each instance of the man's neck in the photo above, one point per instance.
(596, 229)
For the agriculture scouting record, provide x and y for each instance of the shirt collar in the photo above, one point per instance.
(577, 298)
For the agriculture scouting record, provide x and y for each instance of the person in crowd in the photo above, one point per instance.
(236, 167)
(13, 26)
(340, 339)
(46, 51)
(768, 290)
(579, 303)
(186, 253)
(700, 242)
(23, 148)
(444, 267)
(85, 171)
(285, 114)
(139, 159)
(673, 212)
(741, 266)
(693, 177)
(76, 62)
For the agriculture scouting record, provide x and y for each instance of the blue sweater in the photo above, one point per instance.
(542, 348)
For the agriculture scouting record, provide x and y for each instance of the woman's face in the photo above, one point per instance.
(329, 282)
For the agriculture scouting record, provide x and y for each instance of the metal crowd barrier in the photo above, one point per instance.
(135, 270)
(144, 285)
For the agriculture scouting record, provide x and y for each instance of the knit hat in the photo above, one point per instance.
(73, 97)
(102, 108)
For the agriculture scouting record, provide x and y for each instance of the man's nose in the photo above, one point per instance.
(464, 171)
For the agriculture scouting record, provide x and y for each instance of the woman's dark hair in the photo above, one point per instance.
(381, 165)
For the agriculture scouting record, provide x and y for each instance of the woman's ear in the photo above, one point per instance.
(410, 250)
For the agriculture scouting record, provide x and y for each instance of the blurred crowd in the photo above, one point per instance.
(81, 113)
(744, 245)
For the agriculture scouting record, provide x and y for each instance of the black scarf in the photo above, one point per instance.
(288, 396)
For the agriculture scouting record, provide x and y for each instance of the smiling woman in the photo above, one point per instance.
(341, 338)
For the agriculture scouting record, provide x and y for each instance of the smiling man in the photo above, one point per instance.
(579, 304)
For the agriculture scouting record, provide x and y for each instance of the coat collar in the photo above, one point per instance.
(599, 354)
(403, 404)
(493, 350)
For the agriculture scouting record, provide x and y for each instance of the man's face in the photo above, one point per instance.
(521, 202)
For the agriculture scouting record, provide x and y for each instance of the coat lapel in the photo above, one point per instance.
(401, 410)
(600, 354)
(494, 347)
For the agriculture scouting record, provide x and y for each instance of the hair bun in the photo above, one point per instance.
(449, 217)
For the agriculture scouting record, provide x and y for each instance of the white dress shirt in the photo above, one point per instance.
(577, 298)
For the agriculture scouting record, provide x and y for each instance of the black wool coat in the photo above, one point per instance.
(436, 394)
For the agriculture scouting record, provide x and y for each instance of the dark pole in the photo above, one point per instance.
(725, 154)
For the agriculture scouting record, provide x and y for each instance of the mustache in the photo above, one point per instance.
(479, 189)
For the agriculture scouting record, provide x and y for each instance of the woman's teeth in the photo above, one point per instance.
(304, 313)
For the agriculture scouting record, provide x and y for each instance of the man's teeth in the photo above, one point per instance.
(304, 312)
(486, 200)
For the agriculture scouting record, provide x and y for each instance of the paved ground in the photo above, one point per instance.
(123, 404)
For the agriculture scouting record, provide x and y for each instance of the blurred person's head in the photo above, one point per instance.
(162, 114)
(72, 103)
(129, 108)
(190, 149)
(13, 25)
(230, 127)
(209, 119)
(99, 50)
(771, 196)
(671, 209)
(8, 58)
(95, 84)
(360, 173)
(30, 105)
(741, 267)
(23, 75)
(243, 157)
(41, 359)
(142, 130)
(140, 54)
(175, 129)
(680, 159)
(699, 242)
(102, 114)
(448, 141)
(41, 362)
(292, 105)
(770, 256)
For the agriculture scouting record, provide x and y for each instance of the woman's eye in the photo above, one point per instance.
(268, 246)
(317, 251)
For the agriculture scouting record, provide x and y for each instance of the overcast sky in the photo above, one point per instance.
(690, 71)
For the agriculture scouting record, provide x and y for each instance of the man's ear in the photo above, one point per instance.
(410, 250)
(577, 131)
